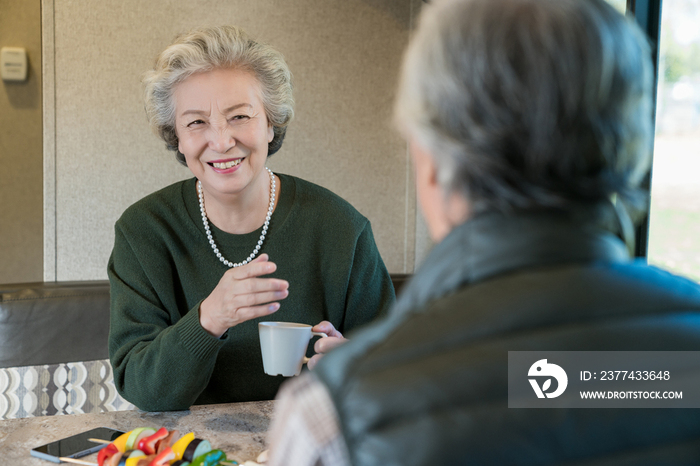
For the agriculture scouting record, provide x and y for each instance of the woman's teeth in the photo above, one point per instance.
(225, 165)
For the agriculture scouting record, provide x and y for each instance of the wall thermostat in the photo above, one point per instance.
(13, 63)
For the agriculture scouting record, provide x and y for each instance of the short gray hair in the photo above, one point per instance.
(530, 103)
(206, 49)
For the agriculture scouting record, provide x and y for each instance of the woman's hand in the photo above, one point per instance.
(242, 295)
(324, 345)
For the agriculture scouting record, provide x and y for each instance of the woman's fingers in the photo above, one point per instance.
(324, 345)
(327, 328)
(250, 304)
(256, 285)
(253, 299)
(260, 266)
(250, 307)
(242, 295)
(262, 257)
(248, 313)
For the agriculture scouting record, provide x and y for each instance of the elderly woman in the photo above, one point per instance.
(524, 119)
(197, 265)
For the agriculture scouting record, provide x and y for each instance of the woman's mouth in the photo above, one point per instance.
(225, 165)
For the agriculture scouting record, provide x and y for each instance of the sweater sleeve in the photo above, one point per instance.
(162, 361)
(370, 292)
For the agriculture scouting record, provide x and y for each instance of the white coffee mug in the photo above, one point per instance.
(284, 346)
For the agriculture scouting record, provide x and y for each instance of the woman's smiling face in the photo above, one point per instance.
(222, 129)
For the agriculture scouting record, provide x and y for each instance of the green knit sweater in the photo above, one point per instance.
(162, 267)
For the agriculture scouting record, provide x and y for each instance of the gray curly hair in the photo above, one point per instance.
(530, 103)
(206, 49)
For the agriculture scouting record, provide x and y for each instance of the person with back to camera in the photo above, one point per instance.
(529, 123)
(192, 269)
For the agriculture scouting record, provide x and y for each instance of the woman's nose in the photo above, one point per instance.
(221, 140)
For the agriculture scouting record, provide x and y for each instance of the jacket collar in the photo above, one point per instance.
(492, 244)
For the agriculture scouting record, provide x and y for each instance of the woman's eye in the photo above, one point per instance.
(194, 123)
(239, 117)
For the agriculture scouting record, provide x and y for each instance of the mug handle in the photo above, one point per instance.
(317, 334)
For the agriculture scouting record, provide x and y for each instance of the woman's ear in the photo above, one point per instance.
(270, 132)
(424, 167)
(428, 191)
(442, 211)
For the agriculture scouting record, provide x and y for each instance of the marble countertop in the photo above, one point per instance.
(238, 429)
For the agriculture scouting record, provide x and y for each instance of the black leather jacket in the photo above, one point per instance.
(428, 384)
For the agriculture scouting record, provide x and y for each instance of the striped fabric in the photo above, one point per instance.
(70, 388)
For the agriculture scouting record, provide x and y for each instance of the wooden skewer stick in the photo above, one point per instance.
(73, 460)
(98, 440)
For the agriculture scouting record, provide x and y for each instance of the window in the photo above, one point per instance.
(621, 5)
(674, 223)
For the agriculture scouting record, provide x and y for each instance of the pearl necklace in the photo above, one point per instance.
(205, 220)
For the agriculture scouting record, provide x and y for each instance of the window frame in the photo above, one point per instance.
(647, 14)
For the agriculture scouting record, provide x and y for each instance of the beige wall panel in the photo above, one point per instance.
(48, 96)
(344, 55)
(20, 149)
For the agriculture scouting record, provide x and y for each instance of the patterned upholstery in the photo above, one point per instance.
(68, 388)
